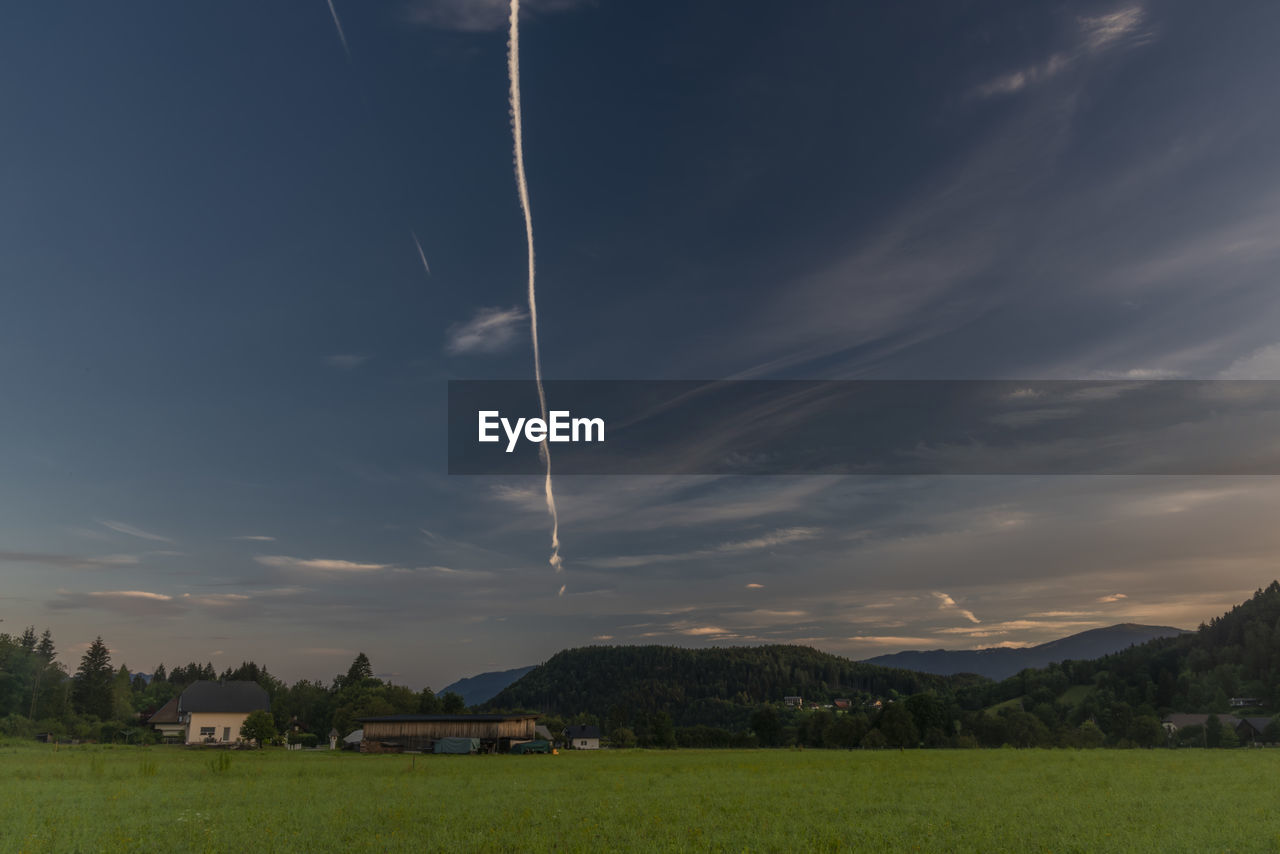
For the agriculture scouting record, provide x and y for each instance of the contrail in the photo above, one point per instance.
(517, 133)
(341, 35)
(421, 254)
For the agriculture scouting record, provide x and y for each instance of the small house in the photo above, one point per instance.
(793, 702)
(209, 712)
(583, 737)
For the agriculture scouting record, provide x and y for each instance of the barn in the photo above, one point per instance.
(396, 733)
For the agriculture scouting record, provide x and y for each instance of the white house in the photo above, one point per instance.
(210, 712)
(583, 737)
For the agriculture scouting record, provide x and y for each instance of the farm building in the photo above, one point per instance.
(583, 737)
(209, 712)
(395, 733)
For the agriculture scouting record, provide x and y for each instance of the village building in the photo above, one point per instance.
(209, 712)
(792, 702)
(582, 737)
(399, 733)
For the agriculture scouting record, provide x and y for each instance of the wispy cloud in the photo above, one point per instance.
(946, 603)
(492, 330)
(132, 531)
(257, 538)
(346, 361)
(128, 602)
(338, 25)
(476, 16)
(1094, 35)
(780, 537)
(1114, 597)
(69, 561)
(317, 564)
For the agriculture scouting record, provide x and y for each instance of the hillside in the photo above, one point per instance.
(715, 687)
(1000, 663)
(483, 687)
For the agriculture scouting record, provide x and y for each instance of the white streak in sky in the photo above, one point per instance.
(421, 254)
(517, 132)
(341, 35)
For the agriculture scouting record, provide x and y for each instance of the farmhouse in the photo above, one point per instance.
(583, 737)
(1249, 729)
(209, 712)
(396, 733)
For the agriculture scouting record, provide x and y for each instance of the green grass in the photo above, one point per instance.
(117, 799)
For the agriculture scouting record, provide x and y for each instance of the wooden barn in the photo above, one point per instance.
(396, 733)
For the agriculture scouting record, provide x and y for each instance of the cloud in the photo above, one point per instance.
(318, 564)
(754, 586)
(779, 537)
(492, 330)
(1114, 597)
(1095, 35)
(257, 538)
(476, 16)
(124, 528)
(69, 561)
(346, 361)
(136, 603)
(1262, 364)
(947, 603)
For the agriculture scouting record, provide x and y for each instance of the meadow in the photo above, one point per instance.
(171, 799)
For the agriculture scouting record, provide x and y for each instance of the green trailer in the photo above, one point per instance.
(538, 745)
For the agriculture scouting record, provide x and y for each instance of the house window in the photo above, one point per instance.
(226, 733)
(208, 731)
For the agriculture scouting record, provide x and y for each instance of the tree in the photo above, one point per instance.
(452, 704)
(92, 694)
(661, 731)
(360, 670)
(260, 727)
(1213, 732)
(766, 725)
(898, 727)
(429, 703)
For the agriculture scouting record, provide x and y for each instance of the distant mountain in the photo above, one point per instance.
(1000, 663)
(484, 687)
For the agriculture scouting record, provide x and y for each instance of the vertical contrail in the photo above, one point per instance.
(421, 254)
(341, 35)
(517, 133)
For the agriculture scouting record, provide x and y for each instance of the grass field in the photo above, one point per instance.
(169, 799)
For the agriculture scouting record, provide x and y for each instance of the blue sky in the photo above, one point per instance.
(223, 365)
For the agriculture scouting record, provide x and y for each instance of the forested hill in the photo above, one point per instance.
(1235, 655)
(716, 687)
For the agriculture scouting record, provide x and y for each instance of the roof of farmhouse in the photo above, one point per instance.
(445, 718)
(220, 696)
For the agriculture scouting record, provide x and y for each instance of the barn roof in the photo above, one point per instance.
(446, 718)
(220, 696)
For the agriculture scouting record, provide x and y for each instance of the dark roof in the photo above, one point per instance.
(445, 718)
(166, 714)
(582, 732)
(1179, 720)
(220, 696)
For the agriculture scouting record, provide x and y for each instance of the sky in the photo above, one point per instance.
(223, 356)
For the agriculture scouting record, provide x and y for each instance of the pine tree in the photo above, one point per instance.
(360, 670)
(46, 649)
(92, 693)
